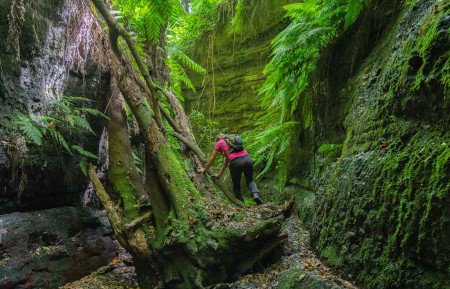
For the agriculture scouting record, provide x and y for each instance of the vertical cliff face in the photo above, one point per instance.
(382, 211)
(47, 52)
(228, 93)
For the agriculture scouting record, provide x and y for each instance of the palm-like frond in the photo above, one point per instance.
(181, 57)
(63, 118)
(178, 75)
(59, 139)
(296, 52)
(269, 146)
(297, 49)
(91, 112)
(147, 17)
(29, 128)
(84, 152)
(81, 122)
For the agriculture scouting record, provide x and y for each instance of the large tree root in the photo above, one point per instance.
(189, 238)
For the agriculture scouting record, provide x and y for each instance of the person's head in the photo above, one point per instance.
(220, 136)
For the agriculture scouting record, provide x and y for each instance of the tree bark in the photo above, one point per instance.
(123, 173)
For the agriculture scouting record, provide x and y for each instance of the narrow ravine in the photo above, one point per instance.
(225, 144)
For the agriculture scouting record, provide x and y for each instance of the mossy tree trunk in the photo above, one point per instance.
(188, 237)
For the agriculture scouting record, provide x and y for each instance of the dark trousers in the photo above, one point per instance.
(238, 166)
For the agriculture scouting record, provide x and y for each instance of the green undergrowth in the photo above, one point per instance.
(299, 277)
(314, 25)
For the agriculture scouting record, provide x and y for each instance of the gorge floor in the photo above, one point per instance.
(299, 267)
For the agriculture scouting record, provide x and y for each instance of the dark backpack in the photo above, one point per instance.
(235, 142)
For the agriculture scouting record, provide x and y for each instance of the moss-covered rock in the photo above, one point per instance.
(383, 208)
(228, 92)
(298, 277)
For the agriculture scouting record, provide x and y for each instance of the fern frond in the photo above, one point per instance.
(237, 23)
(138, 162)
(269, 145)
(91, 112)
(28, 127)
(82, 123)
(179, 75)
(180, 56)
(84, 166)
(84, 152)
(59, 139)
(76, 99)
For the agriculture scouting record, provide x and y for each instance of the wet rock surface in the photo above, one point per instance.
(382, 206)
(46, 249)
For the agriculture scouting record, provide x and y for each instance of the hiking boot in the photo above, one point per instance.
(257, 198)
(239, 196)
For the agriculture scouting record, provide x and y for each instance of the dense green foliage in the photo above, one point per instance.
(296, 51)
(147, 18)
(153, 23)
(382, 208)
(200, 23)
(60, 120)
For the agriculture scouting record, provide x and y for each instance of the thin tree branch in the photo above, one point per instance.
(114, 213)
(193, 147)
(133, 224)
(119, 30)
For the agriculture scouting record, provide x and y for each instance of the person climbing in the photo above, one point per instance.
(231, 147)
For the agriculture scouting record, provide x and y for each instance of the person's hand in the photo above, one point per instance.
(200, 170)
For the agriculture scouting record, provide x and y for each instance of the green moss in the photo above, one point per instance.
(225, 235)
(332, 257)
(228, 93)
(238, 217)
(297, 277)
(383, 210)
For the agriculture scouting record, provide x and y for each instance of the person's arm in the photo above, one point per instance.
(222, 169)
(210, 163)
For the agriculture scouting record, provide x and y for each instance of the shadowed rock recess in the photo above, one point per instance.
(46, 249)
